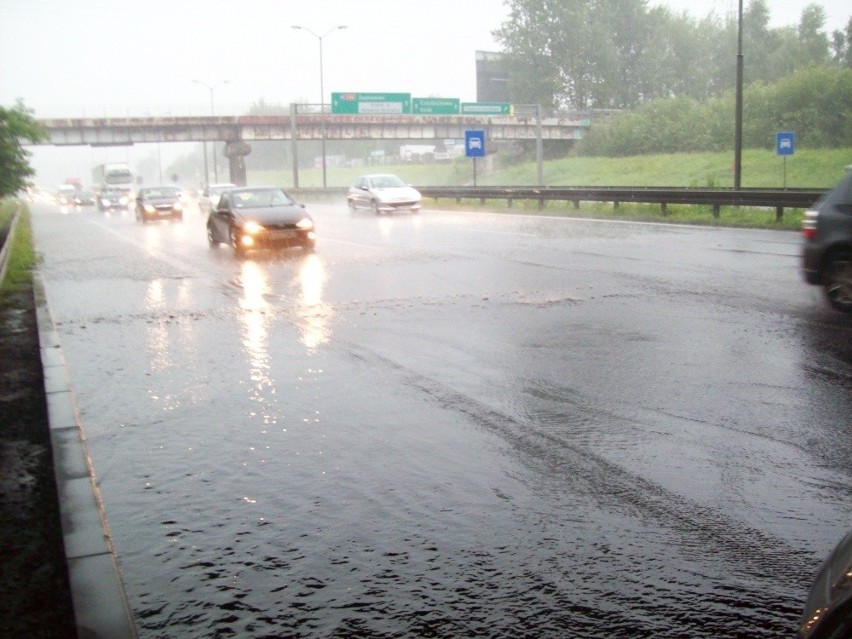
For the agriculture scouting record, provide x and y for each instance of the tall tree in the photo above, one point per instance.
(621, 53)
(16, 126)
(812, 37)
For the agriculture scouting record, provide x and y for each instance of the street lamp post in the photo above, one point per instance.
(322, 88)
(212, 112)
(738, 107)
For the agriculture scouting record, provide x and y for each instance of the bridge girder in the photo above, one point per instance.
(127, 131)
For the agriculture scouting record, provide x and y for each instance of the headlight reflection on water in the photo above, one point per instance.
(255, 319)
(314, 315)
(171, 339)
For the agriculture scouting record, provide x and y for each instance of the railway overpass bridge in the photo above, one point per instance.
(238, 132)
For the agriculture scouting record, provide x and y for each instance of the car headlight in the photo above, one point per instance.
(306, 224)
(177, 206)
(149, 208)
(105, 202)
(123, 201)
(252, 228)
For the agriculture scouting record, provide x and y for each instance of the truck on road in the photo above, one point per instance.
(113, 176)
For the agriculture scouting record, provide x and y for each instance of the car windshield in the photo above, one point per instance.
(386, 181)
(260, 198)
(166, 191)
(218, 190)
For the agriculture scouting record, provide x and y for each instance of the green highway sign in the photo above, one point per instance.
(486, 108)
(436, 106)
(370, 103)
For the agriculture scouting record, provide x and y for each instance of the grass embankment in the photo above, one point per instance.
(22, 257)
(808, 168)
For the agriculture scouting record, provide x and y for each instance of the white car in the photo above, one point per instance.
(383, 193)
(210, 196)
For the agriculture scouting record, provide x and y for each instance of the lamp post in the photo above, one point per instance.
(212, 112)
(738, 107)
(322, 88)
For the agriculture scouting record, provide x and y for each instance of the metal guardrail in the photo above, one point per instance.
(777, 199)
(7, 238)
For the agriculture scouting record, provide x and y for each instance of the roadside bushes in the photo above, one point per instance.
(815, 103)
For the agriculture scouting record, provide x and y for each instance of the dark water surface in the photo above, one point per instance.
(457, 426)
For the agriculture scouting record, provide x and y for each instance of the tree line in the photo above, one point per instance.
(815, 103)
(620, 54)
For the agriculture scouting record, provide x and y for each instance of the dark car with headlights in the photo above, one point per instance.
(84, 198)
(260, 218)
(110, 199)
(158, 203)
(827, 250)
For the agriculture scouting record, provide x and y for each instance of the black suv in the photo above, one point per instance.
(827, 253)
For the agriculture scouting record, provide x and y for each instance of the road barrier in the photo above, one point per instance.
(7, 238)
(777, 199)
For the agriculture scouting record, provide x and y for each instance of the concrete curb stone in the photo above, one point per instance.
(101, 608)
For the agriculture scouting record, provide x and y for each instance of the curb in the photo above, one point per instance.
(100, 602)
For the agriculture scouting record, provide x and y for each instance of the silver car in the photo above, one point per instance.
(210, 196)
(383, 193)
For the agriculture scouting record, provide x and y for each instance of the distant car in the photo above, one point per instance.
(66, 194)
(827, 250)
(158, 203)
(828, 609)
(110, 199)
(210, 196)
(84, 198)
(383, 193)
(260, 218)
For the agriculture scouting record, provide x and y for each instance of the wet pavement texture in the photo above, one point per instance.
(457, 424)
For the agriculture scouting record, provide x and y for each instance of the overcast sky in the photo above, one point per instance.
(95, 58)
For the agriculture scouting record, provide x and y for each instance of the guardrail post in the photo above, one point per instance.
(576, 204)
(779, 213)
(716, 210)
(509, 202)
(664, 208)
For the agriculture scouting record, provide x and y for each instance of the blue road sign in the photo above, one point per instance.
(785, 143)
(474, 143)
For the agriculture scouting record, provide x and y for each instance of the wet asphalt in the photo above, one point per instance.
(457, 424)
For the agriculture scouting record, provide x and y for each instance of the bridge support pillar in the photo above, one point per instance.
(236, 153)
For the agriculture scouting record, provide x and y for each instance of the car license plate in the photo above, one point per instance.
(282, 235)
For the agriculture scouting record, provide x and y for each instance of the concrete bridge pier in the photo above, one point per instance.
(236, 153)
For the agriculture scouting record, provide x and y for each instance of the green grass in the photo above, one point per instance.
(808, 168)
(22, 258)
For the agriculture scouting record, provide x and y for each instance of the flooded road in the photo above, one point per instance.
(457, 425)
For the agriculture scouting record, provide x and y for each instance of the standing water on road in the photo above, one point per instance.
(455, 426)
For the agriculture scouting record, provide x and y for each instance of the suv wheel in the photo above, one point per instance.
(235, 242)
(837, 276)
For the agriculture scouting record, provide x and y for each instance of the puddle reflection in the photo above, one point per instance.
(314, 315)
(255, 320)
(165, 349)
